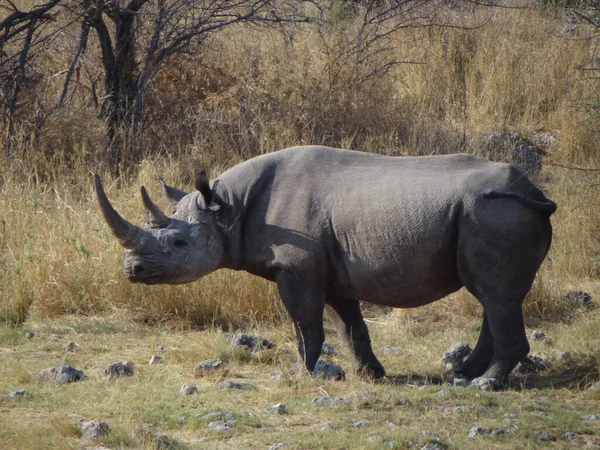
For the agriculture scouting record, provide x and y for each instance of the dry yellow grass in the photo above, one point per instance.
(261, 92)
(58, 257)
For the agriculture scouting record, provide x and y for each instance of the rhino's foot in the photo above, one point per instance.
(476, 364)
(373, 371)
(488, 384)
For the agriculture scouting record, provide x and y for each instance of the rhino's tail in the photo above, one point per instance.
(547, 206)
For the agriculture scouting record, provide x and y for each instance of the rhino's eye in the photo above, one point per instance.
(179, 243)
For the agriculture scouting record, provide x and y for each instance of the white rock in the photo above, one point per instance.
(155, 360)
(278, 408)
(188, 389)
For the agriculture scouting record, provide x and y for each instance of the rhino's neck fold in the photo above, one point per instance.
(231, 225)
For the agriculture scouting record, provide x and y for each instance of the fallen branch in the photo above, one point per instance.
(564, 166)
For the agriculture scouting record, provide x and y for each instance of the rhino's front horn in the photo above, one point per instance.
(158, 219)
(127, 234)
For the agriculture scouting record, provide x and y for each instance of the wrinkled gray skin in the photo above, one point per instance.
(332, 227)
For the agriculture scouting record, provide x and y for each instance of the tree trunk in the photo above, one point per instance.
(121, 81)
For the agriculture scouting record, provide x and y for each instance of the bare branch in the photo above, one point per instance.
(85, 30)
(19, 16)
(495, 5)
(589, 19)
(566, 166)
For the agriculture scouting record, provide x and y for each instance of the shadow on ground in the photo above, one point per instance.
(580, 377)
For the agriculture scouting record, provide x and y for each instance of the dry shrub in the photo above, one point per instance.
(225, 299)
(60, 258)
(457, 310)
(576, 247)
(250, 91)
(279, 93)
(515, 73)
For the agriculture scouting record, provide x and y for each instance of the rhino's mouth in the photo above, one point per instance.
(146, 278)
(139, 279)
(138, 273)
(135, 275)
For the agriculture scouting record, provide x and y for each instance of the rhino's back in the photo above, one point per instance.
(324, 173)
(306, 187)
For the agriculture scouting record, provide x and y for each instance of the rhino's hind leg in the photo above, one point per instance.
(479, 360)
(305, 304)
(510, 341)
(348, 320)
(500, 248)
(503, 327)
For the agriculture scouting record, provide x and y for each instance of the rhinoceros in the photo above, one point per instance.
(334, 227)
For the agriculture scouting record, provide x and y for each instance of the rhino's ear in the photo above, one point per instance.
(172, 195)
(203, 186)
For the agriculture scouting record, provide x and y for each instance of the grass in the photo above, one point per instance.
(60, 267)
(48, 415)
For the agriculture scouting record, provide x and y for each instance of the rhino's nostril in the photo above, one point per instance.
(137, 269)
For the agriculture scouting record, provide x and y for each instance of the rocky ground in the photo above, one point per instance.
(112, 383)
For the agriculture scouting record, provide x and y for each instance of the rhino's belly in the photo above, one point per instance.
(407, 295)
(404, 277)
(401, 292)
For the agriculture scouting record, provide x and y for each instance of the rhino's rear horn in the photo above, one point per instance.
(157, 219)
(127, 233)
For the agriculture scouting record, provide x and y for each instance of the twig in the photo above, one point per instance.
(493, 5)
(85, 28)
(3, 233)
(375, 322)
(564, 166)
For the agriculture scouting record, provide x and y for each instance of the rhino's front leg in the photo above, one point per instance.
(348, 320)
(305, 302)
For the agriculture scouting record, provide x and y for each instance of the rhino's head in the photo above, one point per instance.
(173, 250)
